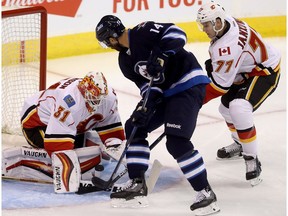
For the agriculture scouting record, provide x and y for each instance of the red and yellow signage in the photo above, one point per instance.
(57, 7)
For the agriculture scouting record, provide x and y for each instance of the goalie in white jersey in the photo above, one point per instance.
(244, 70)
(56, 118)
(70, 114)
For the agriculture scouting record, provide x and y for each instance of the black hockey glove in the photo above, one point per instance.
(156, 62)
(141, 116)
(209, 67)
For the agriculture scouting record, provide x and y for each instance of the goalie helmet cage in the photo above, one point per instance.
(24, 51)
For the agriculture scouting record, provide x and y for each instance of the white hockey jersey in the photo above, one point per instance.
(62, 109)
(238, 54)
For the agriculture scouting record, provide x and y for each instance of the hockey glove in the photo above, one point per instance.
(114, 147)
(156, 63)
(141, 116)
(112, 143)
(209, 67)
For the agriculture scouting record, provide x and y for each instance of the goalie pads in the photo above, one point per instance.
(26, 163)
(31, 164)
(89, 158)
(66, 171)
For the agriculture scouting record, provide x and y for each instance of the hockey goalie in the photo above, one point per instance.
(71, 127)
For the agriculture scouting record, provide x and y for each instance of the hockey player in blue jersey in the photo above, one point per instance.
(156, 50)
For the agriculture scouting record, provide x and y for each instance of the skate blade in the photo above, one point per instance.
(208, 210)
(237, 157)
(137, 202)
(254, 182)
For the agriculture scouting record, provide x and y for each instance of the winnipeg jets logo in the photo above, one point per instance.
(141, 68)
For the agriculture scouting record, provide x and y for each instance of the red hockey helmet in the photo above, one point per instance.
(94, 88)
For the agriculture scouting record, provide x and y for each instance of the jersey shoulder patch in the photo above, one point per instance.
(69, 100)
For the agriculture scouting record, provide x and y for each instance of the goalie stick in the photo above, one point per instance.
(89, 187)
(27, 180)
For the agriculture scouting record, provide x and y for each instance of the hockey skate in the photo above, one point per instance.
(132, 195)
(230, 152)
(253, 170)
(205, 202)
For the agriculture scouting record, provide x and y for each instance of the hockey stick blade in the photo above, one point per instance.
(154, 175)
(88, 187)
(100, 183)
(106, 185)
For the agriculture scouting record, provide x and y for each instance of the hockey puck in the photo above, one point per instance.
(99, 167)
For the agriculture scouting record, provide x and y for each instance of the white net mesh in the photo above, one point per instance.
(20, 66)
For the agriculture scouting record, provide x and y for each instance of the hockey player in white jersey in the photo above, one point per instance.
(59, 121)
(244, 70)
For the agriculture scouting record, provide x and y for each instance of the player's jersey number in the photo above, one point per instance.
(61, 114)
(84, 125)
(226, 64)
(255, 43)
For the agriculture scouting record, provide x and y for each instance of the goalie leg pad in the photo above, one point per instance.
(66, 171)
(89, 158)
(26, 162)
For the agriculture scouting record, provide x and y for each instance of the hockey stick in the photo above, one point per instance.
(126, 170)
(153, 175)
(157, 141)
(102, 184)
(10, 178)
(88, 187)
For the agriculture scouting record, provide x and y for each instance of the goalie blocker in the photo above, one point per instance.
(65, 168)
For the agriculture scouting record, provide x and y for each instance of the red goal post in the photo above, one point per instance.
(24, 54)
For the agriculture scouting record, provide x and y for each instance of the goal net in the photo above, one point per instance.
(24, 42)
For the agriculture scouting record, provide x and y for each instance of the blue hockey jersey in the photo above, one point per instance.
(182, 70)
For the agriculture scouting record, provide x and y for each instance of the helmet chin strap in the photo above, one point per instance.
(117, 46)
(217, 31)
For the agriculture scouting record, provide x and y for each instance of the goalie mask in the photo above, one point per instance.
(209, 13)
(109, 26)
(94, 88)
